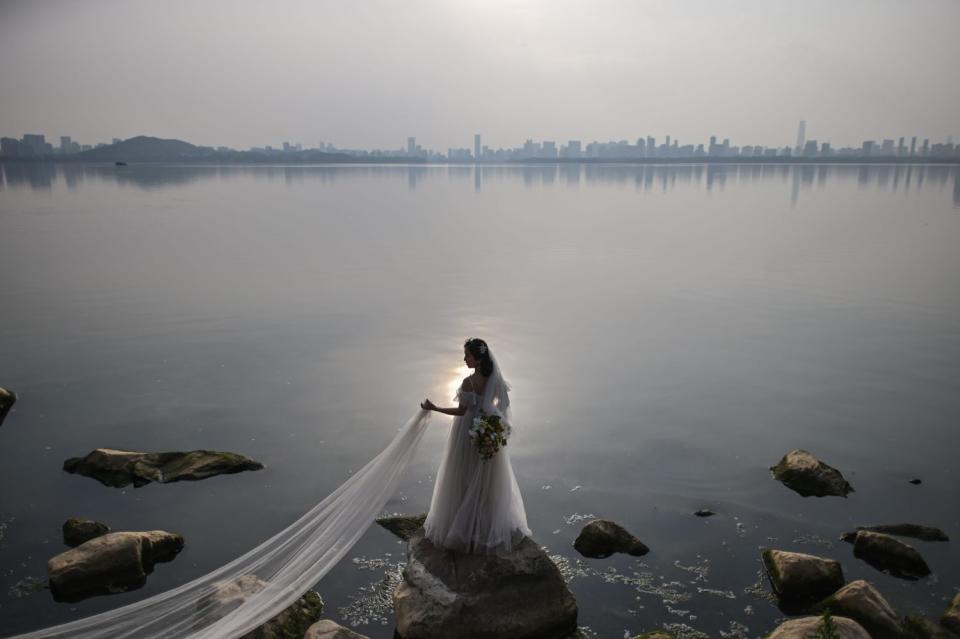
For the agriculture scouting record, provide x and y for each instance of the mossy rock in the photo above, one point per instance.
(917, 627)
(77, 531)
(291, 623)
(119, 468)
(403, 526)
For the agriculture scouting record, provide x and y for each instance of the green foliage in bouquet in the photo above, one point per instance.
(490, 434)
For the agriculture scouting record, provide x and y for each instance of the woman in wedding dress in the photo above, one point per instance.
(476, 505)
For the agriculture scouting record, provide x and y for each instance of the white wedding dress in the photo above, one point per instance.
(476, 506)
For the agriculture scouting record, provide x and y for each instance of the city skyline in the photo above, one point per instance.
(644, 147)
(361, 76)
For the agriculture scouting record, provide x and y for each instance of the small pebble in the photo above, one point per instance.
(704, 512)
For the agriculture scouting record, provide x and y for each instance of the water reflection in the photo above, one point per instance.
(802, 177)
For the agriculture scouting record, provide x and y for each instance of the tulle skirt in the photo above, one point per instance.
(476, 506)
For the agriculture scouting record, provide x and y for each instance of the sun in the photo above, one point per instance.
(456, 378)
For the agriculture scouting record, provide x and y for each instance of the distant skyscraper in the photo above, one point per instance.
(476, 147)
(411, 145)
(801, 135)
(65, 146)
(913, 146)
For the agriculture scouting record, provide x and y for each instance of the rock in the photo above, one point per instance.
(799, 580)
(951, 617)
(926, 533)
(916, 481)
(403, 526)
(704, 512)
(111, 563)
(446, 593)
(656, 634)
(860, 601)
(889, 555)
(918, 627)
(327, 629)
(602, 537)
(292, 622)
(805, 474)
(806, 627)
(7, 399)
(120, 468)
(77, 531)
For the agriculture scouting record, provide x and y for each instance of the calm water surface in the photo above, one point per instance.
(670, 332)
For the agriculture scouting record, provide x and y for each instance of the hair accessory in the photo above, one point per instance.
(483, 348)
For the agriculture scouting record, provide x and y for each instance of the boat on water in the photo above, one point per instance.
(119, 163)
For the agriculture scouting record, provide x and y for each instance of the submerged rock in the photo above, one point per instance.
(916, 481)
(120, 468)
(656, 634)
(327, 629)
(293, 622)
(799, 580)
(926, 533)
(803, 473)
(889, 555)
(951, 617)
(111, 563)
(602, 537)
(806, 627)
(704, 512)
(403, 526)
(860, 601)
(77, 531)
(7, 399)
(446, 593)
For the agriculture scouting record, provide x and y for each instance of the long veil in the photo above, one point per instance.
(288, 564)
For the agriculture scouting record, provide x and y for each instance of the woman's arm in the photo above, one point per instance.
(457, 412)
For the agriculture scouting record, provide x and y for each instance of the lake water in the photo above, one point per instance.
(670, 332)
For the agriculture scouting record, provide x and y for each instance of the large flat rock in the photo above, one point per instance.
(121, 468)
(445, 593)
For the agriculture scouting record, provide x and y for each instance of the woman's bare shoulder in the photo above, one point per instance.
(475, 383)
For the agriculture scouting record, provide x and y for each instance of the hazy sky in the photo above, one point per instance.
(368, 74)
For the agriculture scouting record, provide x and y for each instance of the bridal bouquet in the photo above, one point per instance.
(490, 433)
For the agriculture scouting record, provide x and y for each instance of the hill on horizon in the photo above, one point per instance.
(146, 148)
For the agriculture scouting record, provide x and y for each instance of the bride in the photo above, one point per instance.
(476, 507)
